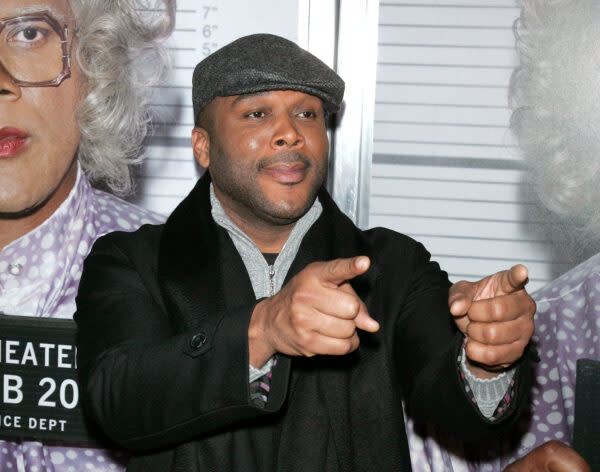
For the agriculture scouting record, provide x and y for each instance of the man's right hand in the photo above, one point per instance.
(316, 312)
(552, 456)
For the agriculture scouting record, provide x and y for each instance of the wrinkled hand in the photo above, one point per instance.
(496, 317)
(316, 312)
(552, 456)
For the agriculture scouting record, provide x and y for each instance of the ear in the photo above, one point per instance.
(201, 146)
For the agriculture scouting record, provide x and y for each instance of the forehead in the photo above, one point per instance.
(58, 8)
(280, 97)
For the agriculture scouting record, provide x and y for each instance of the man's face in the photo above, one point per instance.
(266, 154)
(38, 132)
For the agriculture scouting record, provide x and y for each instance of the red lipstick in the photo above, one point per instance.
(11, 141)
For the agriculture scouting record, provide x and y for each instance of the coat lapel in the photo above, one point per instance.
(190, 267)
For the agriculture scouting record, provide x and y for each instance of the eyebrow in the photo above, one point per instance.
(39, 9)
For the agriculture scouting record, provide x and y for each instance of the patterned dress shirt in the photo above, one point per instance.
(39, 276)
(567, 328)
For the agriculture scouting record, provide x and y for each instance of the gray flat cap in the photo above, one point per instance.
(262, 62)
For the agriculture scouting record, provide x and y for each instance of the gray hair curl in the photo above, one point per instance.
(118, 49)
(555, 96)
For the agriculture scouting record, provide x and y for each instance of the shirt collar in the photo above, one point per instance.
(266, 280)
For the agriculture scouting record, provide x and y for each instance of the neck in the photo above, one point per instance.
(12, 228)
(268, 238)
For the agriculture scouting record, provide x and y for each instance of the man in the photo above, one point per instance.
(259, 329)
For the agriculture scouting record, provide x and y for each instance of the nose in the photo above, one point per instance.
(8, 89)
(287, 133)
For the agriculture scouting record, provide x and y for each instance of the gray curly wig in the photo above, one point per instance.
(555, 96)
(118, 49)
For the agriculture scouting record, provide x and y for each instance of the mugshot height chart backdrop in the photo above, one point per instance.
(446, 169)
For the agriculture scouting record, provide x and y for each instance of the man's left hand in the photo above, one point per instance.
(496, 316)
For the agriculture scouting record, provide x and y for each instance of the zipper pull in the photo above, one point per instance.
(271, 281)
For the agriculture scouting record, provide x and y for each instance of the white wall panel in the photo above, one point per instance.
(446, 169)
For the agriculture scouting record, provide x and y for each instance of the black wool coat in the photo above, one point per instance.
(163, 315)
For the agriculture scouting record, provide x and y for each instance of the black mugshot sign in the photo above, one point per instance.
(39, 394)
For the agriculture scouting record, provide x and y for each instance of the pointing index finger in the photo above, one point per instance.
(514, 279)
(340, 270)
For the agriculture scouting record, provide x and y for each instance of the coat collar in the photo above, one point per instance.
(188, 268)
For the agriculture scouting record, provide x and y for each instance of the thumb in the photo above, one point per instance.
(514, 279)
(460, 297)
(340, 270)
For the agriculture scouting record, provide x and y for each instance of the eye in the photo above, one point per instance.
(28, 34)
(256, 114)
(307, 114)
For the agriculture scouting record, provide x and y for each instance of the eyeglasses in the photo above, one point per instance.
(34, 50)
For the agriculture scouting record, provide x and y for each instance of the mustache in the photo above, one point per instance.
(291, 157)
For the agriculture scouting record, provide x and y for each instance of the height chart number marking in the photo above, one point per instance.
(209, 29)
